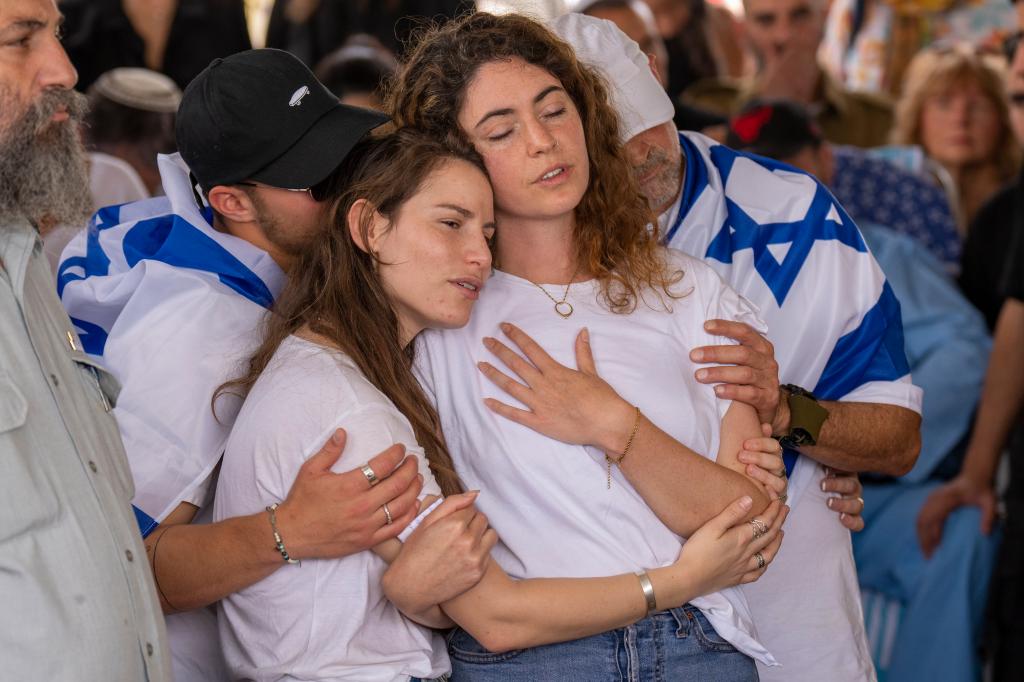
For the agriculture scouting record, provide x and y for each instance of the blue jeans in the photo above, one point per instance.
(678, 644)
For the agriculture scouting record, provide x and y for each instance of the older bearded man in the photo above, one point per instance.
(79, 601)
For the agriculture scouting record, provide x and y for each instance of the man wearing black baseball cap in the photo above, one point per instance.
(255, 128)
(169, 294)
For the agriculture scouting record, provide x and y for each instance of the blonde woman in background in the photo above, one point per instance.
(954, 107)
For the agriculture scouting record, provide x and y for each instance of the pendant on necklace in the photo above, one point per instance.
(563, 308)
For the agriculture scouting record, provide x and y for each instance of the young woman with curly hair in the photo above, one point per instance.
(577, 478)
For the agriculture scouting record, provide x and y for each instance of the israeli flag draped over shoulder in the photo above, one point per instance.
(779, 238)
(172, 308)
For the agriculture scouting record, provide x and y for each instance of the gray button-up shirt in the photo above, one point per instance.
(77, 600)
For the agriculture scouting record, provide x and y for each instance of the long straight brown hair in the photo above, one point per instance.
(334, 290)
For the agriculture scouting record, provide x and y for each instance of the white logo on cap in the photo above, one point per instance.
(297, 96)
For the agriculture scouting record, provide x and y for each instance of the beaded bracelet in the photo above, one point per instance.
(278, 542)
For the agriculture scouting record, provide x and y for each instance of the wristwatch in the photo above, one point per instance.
(805, 417)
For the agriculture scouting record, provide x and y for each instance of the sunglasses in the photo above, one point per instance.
(317, 192)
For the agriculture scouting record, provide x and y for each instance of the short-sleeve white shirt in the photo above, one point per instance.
(549, 501)
(325, 619)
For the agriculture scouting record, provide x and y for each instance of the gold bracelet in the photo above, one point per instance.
(629, 443)
(648, 587)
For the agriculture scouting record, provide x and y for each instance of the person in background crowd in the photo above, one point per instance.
(869, 43)
(942, 592)
(954, 107)
(174, 37)
(188, 283)
(782, 241)
(702, 39)
(131, 117)
(874, 190)
(634, 18)
(785, 36)
(72, 570)
(312, 29)
(357, 72)
(993, 278)
(991, 245)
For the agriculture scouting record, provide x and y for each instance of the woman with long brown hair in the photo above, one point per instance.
(591, 486)
(406, 251)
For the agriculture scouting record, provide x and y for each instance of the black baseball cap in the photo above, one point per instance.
(778, 129)
(262, 115)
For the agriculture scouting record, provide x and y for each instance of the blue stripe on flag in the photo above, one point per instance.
(95, 262)
(695, 179)
(92, 336)
(871, 352)
(147, 524)
(174, 241)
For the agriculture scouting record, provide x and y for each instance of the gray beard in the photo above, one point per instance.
(44, 174)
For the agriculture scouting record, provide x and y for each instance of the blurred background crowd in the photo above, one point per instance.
(911, 111)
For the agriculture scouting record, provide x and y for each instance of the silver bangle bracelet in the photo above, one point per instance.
(648, 588)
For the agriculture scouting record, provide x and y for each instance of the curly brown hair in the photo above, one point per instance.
(335, 291)
(614, 238)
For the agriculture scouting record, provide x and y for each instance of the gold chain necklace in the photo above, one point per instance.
(563, 307)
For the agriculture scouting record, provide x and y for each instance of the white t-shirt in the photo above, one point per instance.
(325, 619)
(548, 500)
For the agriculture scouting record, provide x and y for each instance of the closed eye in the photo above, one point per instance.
(555, 114)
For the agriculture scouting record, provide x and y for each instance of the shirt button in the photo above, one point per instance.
(56, 382)
(149, 649)
(92, 465)
(128, 554)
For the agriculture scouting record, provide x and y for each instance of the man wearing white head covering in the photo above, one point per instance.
(778, 237)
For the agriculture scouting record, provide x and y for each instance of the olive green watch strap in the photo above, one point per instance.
(806, 414)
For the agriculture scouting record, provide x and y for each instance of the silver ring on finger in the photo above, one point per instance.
(759, 526)
(371, 477)
(387, 514)
(861, 500)
(760, 560)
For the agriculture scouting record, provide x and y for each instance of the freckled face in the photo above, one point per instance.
(529, 133)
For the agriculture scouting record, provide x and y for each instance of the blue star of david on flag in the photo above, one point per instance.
(824, 220)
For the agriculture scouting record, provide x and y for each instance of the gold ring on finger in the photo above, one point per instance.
(760, 560)
(387, 514)
(862, 505)
(783, 497)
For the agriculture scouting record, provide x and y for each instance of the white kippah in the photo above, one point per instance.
(139, 89)
(637, 97)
